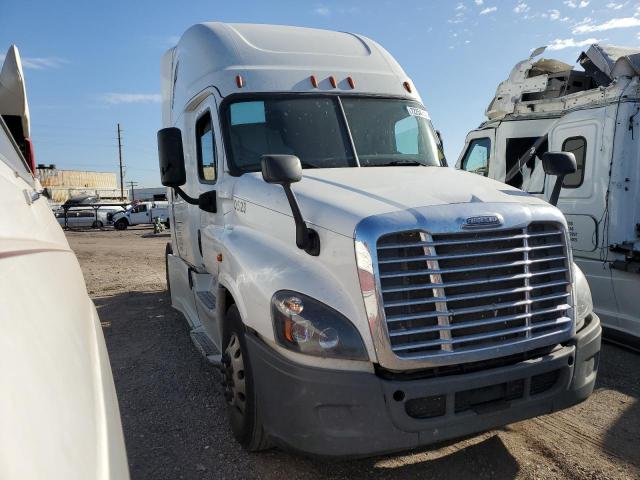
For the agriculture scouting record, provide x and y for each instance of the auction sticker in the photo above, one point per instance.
(417, 112)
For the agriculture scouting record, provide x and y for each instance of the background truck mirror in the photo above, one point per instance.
(171, 156)
(559, 164)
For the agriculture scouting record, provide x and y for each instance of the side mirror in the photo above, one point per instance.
(281, 169)
(285, 170)
(171, 156)
(559, 164)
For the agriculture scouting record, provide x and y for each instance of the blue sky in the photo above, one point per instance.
(90, 65)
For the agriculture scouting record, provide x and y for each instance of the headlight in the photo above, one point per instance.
(584, 302)
(308, 326)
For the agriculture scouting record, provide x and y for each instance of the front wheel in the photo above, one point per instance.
(120, 225)
(239, 389)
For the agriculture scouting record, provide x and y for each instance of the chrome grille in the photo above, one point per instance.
(449, 293)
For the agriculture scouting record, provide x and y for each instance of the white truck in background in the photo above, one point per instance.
(58, 408)
(141, 213)
(594, 113)
(359, 296)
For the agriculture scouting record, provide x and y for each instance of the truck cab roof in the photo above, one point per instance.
(236, 58)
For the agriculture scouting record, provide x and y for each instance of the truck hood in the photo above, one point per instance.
(338, 198)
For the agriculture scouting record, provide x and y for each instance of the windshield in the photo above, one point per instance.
(385, 132)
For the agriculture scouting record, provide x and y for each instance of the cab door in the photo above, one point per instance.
(478, 152)
(204, 169)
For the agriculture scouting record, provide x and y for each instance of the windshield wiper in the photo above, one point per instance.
(396, 163)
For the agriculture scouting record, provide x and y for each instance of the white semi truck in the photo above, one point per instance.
(58, 407)
(359, 296)
(594, 113)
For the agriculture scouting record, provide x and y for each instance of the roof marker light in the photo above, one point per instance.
(407, 86)
(314, 81)
(333, 82)
(352, 84)
(239, 81)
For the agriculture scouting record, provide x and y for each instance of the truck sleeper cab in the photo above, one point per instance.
(359, 297)
(592, 113)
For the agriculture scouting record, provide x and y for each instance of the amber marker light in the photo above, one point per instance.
(407, 86)
(239, 81)
(351, 82)
(333, 82)
(314, 81)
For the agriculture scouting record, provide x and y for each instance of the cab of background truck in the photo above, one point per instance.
(342, 277)
(593, 114)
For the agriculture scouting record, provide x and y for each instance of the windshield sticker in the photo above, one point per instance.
(417, 112)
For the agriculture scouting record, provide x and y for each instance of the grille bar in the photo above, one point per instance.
(443, 293)
(468, 296)
(469, 255)
(470, 268)
(427, 286)
(464, 311)
(458, 242)
(482, 336)
(506, 318)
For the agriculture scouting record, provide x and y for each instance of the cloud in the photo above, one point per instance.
(614, 23)
(322, 11)
(560, 43)
(479, 2)
(616, 6)
(488, 10)
(117, 98)
(521, 7)
(576, 4)
(39, 63)
(460, 6)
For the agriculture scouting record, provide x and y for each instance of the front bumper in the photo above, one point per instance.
(344, 414)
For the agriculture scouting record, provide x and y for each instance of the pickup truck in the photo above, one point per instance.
(141, 213)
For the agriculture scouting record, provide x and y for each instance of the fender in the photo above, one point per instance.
(252, 278)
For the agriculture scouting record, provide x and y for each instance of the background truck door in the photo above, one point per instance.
(583, 204)
(139, 214)
(478, 152)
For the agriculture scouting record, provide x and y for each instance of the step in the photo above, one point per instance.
(205, 345)
(207, 299)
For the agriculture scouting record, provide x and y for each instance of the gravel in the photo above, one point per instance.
(174, 415)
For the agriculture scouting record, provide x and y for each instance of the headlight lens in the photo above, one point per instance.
(308, 326)
(584, 302)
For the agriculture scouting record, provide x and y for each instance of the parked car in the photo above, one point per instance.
(593, 113)
(58, 407)
(359, 296)
(96, 217)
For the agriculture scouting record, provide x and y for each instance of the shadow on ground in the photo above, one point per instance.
(174, 416)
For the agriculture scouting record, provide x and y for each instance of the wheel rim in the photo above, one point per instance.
(234, 372)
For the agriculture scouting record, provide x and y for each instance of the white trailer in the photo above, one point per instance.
(547, 105)
(360, 297)
(58, 407)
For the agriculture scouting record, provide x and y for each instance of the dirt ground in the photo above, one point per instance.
(173, 411)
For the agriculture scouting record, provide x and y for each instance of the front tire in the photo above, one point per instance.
(239, 388)
(121, 225)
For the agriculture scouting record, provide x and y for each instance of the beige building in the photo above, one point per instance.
(64, 184)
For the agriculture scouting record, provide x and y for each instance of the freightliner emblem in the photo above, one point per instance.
(482, 221)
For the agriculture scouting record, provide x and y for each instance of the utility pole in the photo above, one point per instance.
(120, 158)
(132, 184)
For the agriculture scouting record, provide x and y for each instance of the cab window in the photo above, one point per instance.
(205, 145)
(577, 146)
(140, 209)
(476, 159)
